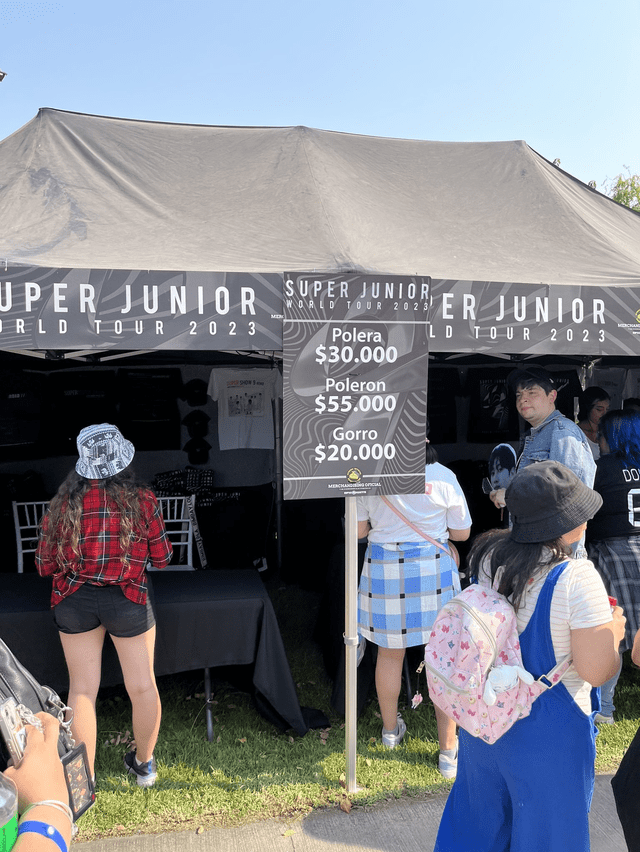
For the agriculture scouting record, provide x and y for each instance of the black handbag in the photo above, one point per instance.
(16, 682)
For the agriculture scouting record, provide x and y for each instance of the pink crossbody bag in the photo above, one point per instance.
(451, 550)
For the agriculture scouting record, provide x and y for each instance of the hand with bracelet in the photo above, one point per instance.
(43, 799)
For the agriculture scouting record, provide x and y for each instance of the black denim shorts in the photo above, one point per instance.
(90, 606)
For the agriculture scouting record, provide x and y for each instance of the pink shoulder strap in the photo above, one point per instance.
(414, 527)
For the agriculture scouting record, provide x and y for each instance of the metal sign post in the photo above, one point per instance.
(355, 361)
(351, 637)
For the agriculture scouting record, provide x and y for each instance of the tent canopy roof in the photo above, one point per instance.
(89, 191)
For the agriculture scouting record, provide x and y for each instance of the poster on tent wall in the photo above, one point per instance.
(46, 308)
(355, 360)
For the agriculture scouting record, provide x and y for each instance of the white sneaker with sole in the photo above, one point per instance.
(448, 766)
(391, 740)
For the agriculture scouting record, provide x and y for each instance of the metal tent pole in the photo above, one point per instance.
(278, 478)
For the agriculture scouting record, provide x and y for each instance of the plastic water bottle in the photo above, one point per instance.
(8, 813)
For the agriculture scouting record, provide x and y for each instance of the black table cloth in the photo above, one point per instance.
(205, 619)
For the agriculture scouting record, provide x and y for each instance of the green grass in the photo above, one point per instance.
(613, 740)
(252, 771)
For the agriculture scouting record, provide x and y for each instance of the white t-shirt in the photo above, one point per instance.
(579, 600)
(594, 446)
(442, 505)
(245, 418)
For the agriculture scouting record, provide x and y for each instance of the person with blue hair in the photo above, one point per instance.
(614, 533)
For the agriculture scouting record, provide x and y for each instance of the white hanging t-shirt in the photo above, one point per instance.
(245, 416)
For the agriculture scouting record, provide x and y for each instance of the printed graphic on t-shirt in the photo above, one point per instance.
(244, 403)
(245, 416)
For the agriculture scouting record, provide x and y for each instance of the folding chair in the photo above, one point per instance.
(27, 518)
(177, 514)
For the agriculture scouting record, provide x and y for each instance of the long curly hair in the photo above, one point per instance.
(517, 562)
(64, 519)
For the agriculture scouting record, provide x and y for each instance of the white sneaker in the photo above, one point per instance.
(395, 738)
(600, 719)
(448, 766)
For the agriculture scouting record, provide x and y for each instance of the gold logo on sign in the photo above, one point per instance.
(354, 475)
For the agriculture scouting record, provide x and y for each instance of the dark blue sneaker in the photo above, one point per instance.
(145, 773)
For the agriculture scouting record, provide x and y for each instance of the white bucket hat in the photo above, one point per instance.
(103, 451)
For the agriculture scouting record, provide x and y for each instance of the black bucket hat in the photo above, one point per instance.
(546, 500)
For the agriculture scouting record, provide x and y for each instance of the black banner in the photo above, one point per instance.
(71, 309)
(43, 308)
(355, 382)
(527, 319)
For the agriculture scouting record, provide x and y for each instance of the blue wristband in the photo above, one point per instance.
(36, 827)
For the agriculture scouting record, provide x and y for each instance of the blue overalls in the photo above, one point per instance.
(531, 790)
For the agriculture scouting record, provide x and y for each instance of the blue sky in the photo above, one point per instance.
(561, 74)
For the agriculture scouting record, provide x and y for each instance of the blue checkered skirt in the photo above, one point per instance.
(402, 587)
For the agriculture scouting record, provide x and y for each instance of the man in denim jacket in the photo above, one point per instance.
(552, 435)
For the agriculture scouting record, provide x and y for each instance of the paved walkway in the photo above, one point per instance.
(407, 825)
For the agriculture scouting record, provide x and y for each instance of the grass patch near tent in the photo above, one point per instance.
(252, 771)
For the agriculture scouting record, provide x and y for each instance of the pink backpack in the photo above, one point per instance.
(474, 665)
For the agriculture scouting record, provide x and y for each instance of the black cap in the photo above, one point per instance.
(197, 423)
(530, 373)
(198, 450)
(546, 500)
(195, 392)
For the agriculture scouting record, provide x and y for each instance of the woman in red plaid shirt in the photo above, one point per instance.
(100, 531)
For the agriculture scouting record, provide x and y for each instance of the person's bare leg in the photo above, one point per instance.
(136, 659)
(446, 730)
(388, 683)
(83, 653)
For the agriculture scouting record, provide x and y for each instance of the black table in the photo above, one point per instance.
(205, 619)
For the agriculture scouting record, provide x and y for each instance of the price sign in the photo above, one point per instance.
(355, 378)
